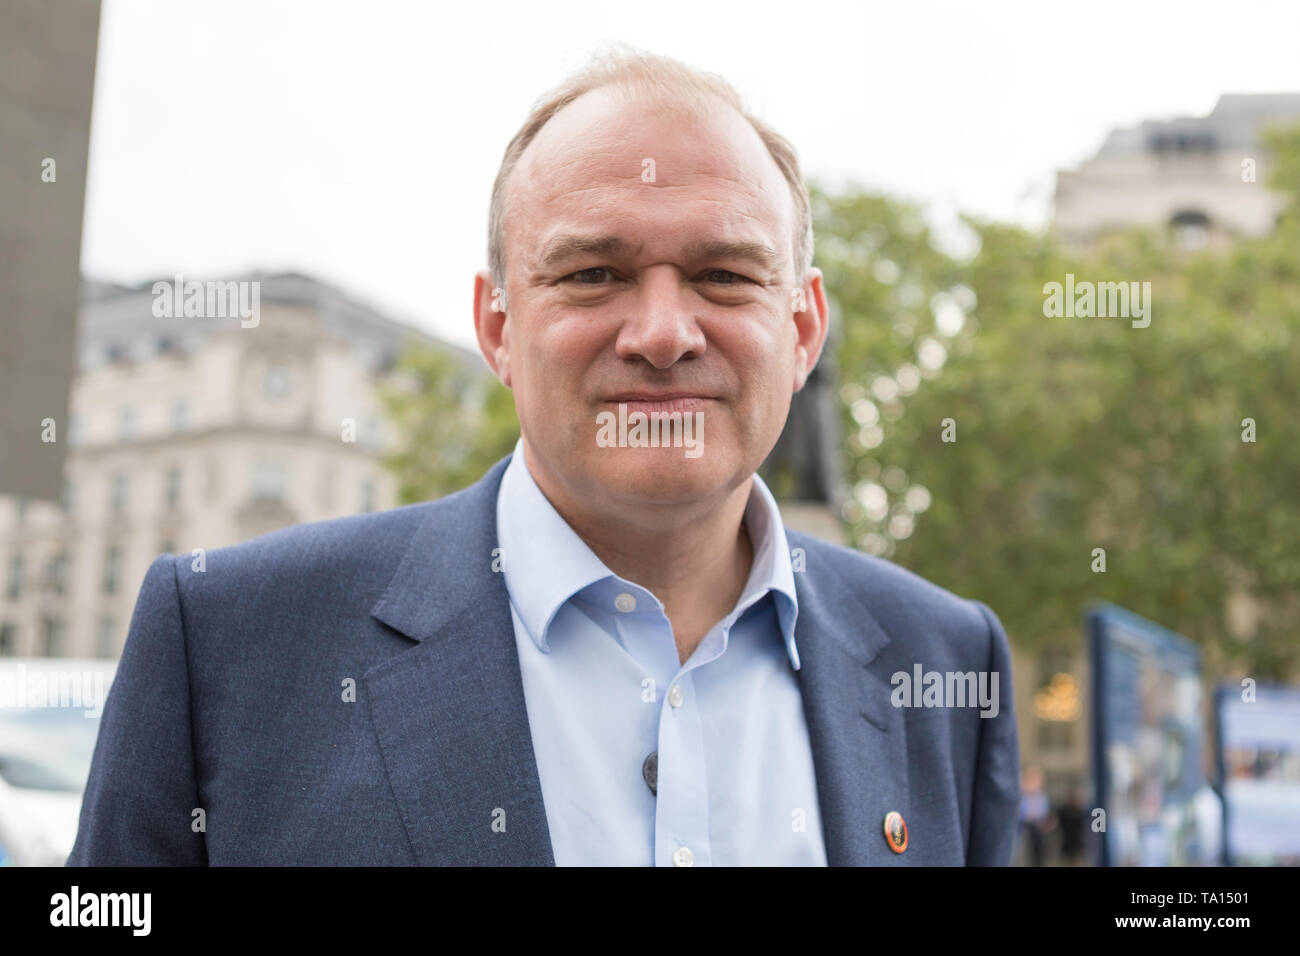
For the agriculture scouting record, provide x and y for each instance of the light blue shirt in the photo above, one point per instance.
(604, 689)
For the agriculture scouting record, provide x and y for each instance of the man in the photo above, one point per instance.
(606, 651)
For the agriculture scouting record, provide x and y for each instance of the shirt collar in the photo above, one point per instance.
(545, 562)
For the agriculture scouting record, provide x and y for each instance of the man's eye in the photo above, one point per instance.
(725, 277)
(593, 276)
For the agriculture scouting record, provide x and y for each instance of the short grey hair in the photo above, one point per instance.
(671, 84)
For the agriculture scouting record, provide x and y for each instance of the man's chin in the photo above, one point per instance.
(662, 475)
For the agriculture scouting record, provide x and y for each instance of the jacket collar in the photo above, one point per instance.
(547, 563)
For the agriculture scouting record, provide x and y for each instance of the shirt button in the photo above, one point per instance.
(676, 698)
(625, 602)
(683, 856)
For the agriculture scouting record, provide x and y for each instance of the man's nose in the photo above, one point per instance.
(661, 327)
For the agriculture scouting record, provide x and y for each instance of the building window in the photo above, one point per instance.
(1183, 142)
(367, 495)
(277, 383)
(270, 480)
(14, 583)
(112, 569)
(145, 348)
(1057, 701)
(1191, 229)
(57, 572)
(52, 637)
(181, 415)
(8, 639)
(126, 423)
(119, 491)
(173, 487)
(107, 644)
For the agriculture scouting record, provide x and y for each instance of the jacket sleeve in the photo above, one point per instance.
(995, 802)
(140, 798)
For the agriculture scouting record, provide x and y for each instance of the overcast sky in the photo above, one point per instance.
(358, 141)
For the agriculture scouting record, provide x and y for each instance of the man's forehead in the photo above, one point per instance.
(603, 153)
(612, 120)
(603, 137)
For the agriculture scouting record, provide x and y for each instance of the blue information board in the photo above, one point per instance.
(1148, 745)
(1258, 758)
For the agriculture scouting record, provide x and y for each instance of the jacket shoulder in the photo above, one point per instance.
(350, 545)
(355, 545)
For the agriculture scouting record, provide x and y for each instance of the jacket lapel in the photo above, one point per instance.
(449, 711)
(858, 740)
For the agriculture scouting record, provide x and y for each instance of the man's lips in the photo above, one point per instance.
(663, 402)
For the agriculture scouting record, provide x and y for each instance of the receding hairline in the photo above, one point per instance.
(647, 102)
(668, 88)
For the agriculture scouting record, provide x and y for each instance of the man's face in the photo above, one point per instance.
(650, 260)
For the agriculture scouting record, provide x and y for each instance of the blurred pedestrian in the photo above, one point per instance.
(1071, 820)
(1035, 814)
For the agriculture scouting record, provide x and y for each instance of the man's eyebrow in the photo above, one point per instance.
(565, 246)
(757, 252)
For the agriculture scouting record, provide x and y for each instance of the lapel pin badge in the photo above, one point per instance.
(895, 831)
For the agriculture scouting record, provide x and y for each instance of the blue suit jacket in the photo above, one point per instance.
(231, 697)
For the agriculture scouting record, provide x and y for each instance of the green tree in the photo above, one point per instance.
(1073, 434)
(454, 421)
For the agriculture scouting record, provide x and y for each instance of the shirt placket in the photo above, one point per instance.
(682, 802)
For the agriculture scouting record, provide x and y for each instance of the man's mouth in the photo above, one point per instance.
(660, 402)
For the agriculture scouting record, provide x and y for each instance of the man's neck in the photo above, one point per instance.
(696, 561)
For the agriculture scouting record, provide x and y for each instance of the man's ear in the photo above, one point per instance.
(811, 323)
(490, 326)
